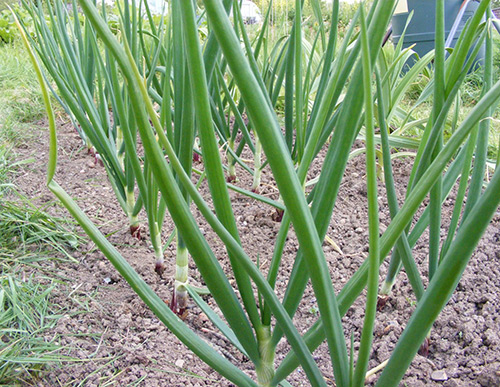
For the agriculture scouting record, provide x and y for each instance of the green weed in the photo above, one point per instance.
(24, 225)
(26, 316)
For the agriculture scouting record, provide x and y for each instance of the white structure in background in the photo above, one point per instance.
(157, 7)
(342, 1)
(250, 12)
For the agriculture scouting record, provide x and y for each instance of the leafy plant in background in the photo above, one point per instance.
(355, 87)
(8, 29)
(286, 8)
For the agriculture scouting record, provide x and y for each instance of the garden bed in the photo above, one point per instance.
(118, 340)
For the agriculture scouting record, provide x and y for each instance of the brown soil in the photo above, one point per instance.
(120, 341)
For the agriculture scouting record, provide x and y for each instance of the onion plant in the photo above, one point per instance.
(94, 95)
(445, 78)
(347, 101)
(88, 88)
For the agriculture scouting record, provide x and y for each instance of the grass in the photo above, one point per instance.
(28, 236)
(24, 225)
(20, 101)
(26, 317)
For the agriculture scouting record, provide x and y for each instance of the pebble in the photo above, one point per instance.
(439, 376)
(179, 363)
(202, 318)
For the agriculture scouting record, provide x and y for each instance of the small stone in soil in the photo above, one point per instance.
(439, 376)
(179, 363)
